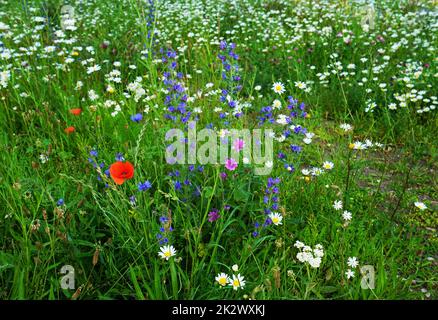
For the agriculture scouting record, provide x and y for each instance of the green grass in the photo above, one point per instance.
(112, 243)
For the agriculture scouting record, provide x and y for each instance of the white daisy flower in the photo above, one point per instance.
(278, 87)
(276, 104)
(167, 252)
(223, 279)
(327, 165)
(92, 69)
(237, 282)
(420, 205)
(300, 85)
(276, 218)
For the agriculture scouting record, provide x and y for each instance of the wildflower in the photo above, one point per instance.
(318, 251)
(60, 202)
(278, 87)
(276, 104)
(307, 255)
(213, 215)
(119, 157)
(300, 85)
(231, 164)
(276, 218)
(346, 127)
(76, 111)
(69, 130)
(235, 267)
(143, 186)
(133, 201)
(337, 205)
(352, 262)
(316, 171)
(44, 158)
(420, 205)
(314, 262)
(298, 244)
(327, 165)
(357, 145)
(92, 69)
(223, 279)
(120, 171)
(238, 144)
(166, 252)
(346, 215)
(237, 282)
(349, 274)
(137, 117)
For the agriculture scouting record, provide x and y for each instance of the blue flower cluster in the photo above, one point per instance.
(270, 201)
(164, 230)
(296, 110)
(183, 184)
(267, 115)
(231, 77)
(176, 98)
(93, 160)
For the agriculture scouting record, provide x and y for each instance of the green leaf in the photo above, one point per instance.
(240, 195)
(207, 192)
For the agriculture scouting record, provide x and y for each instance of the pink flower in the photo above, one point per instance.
(238, 144)
(213, 215)
(231, 164)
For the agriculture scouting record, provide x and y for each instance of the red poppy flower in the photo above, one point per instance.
(76, 111)
(120, 171)
(69, 130)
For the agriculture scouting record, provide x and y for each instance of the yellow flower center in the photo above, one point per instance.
(222, 281)
(275, 220)
(236, 282)
(167, 254)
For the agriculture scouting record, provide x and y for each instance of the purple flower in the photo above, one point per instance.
(163, 219)
(119, 157)
(143, 186)
(177, 185)
(238, 144)
(213, 215)
(60, 202)
(296, 149)
(231, 164)
(137, 117)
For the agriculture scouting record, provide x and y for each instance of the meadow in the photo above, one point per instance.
(91, 209)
